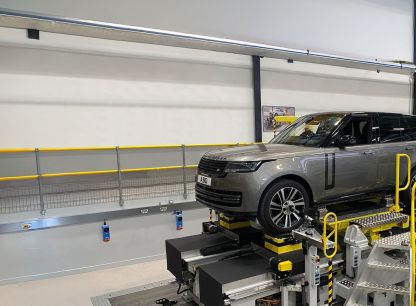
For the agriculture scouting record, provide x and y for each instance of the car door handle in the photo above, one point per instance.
(370, 152)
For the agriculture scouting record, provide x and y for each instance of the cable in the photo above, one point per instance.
(239, 254)
(179, 289)
(203, 251)
(353, 271)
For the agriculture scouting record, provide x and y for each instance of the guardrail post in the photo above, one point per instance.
(40, 187)
(185, 192)
(120, 186)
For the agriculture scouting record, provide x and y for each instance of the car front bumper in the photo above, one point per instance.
(236, 193)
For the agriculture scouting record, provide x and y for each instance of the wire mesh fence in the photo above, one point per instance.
(79, 191)
(60, 192)
(19, 196)
(42, 179)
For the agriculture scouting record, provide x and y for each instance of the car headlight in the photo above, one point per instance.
(242, 166)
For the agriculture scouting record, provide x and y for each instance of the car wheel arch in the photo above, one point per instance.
(293, 177)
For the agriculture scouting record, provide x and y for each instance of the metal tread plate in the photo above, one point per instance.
(389, 266)
(400, 241)
(383, 288)
(346, 282)
(380, 219)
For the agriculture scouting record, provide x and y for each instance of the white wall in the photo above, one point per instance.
(99, 92)
(381, 29)
(316, 88)
(75, 91)
(79, 248)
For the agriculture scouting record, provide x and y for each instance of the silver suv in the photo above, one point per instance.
(319, 159)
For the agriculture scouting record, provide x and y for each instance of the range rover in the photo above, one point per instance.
(319, 159)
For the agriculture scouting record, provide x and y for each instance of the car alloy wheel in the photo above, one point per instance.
(286, 207)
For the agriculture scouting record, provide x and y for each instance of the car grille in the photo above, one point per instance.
(217, 197)
(214, 168)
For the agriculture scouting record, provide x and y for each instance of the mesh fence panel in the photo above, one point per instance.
(153, 184)
(80, 190)
(60, 192)
(19, 196)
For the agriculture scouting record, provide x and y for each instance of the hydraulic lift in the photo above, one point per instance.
(348, 255)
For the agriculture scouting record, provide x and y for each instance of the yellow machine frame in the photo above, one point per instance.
(232, 223)
(280, 245)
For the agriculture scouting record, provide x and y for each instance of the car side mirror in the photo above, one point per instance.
(345, 141)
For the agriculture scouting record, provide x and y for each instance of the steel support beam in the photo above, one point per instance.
(73, 26)
(258, 133)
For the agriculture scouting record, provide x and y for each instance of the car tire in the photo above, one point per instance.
(282, 207)
(406, 195)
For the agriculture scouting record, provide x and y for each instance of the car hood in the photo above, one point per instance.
(260, 152)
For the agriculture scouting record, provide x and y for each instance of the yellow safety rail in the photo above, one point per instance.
(35, 176)
(78, 173)
(168, 146)
(396, 207)
(333, 234)
(412, 246)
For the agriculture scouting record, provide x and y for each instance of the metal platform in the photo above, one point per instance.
(142, 296)
(380, 219)
(400, 241)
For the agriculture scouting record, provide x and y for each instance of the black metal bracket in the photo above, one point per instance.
(33, 34)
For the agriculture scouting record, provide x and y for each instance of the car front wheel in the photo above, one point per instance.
(283, 206)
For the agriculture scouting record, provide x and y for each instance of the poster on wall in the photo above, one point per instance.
(270, 112)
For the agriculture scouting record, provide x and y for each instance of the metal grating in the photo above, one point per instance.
(400, 241)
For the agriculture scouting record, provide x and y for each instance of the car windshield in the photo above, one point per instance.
(310, 130)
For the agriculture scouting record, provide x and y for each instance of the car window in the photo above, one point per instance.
(310, 130)
(390, 130)
(408, 126)
(360, 128)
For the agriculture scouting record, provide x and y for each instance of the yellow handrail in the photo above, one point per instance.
(17, 150)
(17, 178)
(167, 146)
(76, 173)
(46, 175)
(326, 237)
(396, 207)
(412, 245)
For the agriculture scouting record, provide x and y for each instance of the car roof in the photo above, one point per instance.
(360, 112)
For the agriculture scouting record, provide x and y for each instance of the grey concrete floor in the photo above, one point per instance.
(77, 290)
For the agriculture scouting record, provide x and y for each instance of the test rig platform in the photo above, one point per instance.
(359, 254)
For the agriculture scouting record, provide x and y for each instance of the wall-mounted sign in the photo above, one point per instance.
(269, 114)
